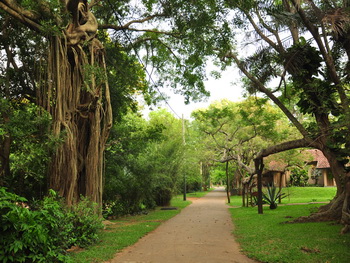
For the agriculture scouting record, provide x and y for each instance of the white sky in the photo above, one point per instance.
(227, 87)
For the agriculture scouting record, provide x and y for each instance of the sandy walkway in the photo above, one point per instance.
(200, 233)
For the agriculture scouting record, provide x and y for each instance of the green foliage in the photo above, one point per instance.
(303, 60)
(86, 223)
(93, 75)
(31, 148)
(298, 177)
(144, 163)
(31, 236)
(271, 196)
(43, 233)
(239, 130)
(162, 196)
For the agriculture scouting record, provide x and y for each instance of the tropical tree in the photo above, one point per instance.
(69, 82)
(58, 59)
(238, 130)
(301, 44)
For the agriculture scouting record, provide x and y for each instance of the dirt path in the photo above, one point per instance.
(200, 233)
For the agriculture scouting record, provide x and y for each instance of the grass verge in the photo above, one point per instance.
(128, 230)
(266, 238)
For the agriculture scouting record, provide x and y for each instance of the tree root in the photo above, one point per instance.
(316, 217)
(345, 229)
(334, 211)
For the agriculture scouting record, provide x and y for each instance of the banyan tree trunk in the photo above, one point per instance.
(77, 96)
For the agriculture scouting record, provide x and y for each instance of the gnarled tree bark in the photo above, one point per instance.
(76, 94)
(81, 109)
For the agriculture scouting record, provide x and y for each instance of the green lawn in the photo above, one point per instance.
(268, 239)
(308, 194)
(128, 230)
(299, 195)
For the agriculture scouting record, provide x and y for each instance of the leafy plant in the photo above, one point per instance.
(298, 177)
(85, 221)
(43, 233)
(163, 196)
(272, 195)
(31, 236)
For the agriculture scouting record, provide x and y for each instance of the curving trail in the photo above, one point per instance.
(200, 233)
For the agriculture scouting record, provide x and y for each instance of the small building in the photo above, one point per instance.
(319, 171)
(275, 173)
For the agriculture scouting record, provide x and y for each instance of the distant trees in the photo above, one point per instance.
(146, 161)
(237, 131)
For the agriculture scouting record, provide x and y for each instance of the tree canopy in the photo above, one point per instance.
(77, 59)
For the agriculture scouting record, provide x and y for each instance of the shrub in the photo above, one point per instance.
(43, 234)
(86, 223)
(298, 177)
(31, 236)
(162, 196)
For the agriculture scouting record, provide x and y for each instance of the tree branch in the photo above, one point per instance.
(119, 28)
(250, 170)
(93, 3)
(301, 143)
(262, 35)
(25, 17)
(268, 93)
(271, 30)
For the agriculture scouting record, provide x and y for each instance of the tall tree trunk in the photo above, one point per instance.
(5, 143)
(81, 110)
(5, 140)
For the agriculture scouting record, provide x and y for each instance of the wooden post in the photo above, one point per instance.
(280, 187)
(259, 166)
(227, 185)
(184, 143)
(243, 195)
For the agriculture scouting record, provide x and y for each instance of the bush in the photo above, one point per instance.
(299, 177)
(31, 236)
(43, 234)
(86, 223)
(162, 196)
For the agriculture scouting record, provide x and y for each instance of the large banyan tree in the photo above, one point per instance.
(72, 86)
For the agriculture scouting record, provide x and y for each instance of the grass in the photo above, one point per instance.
(128, 230)
(299, 195)
(308, 194)
(266, 238)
